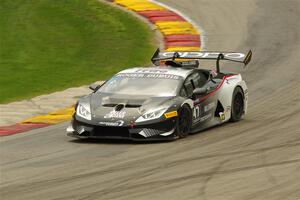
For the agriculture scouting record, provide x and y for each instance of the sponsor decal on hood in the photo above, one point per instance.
(115, 114)
(116, 123)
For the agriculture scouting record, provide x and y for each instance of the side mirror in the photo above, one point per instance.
(200, 91)
(94, 87)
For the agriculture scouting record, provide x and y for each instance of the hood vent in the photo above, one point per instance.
(110, 105)
(119, 107)
(132, 106)
(129, 102)
(126, 105)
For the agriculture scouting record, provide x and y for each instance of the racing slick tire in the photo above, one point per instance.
(184, 122)
(237, 105)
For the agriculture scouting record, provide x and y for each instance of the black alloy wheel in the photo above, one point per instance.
(237, 107)
(184, 122)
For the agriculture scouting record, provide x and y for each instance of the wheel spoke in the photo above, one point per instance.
(238, 105)
(183, 122)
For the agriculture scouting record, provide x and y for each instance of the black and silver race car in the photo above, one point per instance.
(163, 102)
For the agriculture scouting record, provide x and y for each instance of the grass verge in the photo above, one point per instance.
(47, 45)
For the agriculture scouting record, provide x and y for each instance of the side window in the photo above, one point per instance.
(195, 80)
(182, 92)
(189, 86)
(199, 79)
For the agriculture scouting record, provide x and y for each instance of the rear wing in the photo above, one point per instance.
(208, 55)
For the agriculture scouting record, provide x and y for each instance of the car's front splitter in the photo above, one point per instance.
(157, 131)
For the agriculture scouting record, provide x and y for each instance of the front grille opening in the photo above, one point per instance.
(137, 136)
(85, 133)
(104, 131)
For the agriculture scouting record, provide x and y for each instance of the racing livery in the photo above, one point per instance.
(163, 102)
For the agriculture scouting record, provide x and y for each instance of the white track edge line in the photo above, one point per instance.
(187, 18)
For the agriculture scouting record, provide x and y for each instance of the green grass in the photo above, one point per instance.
(50, 45)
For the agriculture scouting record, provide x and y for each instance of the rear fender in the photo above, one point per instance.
(225, 95)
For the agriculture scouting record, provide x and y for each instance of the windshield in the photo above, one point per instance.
(142, 84)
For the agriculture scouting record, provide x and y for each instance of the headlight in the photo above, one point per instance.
(84, 111)
(152, 114)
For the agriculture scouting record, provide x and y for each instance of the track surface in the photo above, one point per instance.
(258, 158)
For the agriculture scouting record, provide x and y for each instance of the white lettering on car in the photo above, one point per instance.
(115, 114)
(197, 112)
(148, 75)
(151, 71)
(117, 123)
(204, 55)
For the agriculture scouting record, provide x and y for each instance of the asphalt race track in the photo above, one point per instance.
(258, 158)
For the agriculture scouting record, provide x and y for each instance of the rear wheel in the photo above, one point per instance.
(184, 122)
(237, 105)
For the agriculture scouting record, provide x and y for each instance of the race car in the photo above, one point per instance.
(169, 100)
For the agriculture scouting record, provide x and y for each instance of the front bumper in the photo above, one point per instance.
(156, 131)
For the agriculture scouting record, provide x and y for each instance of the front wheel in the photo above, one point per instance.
(184, 122)
(237, 105)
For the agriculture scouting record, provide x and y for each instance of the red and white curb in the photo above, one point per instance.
(179, 32)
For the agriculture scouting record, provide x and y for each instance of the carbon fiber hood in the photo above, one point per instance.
(104, 106)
